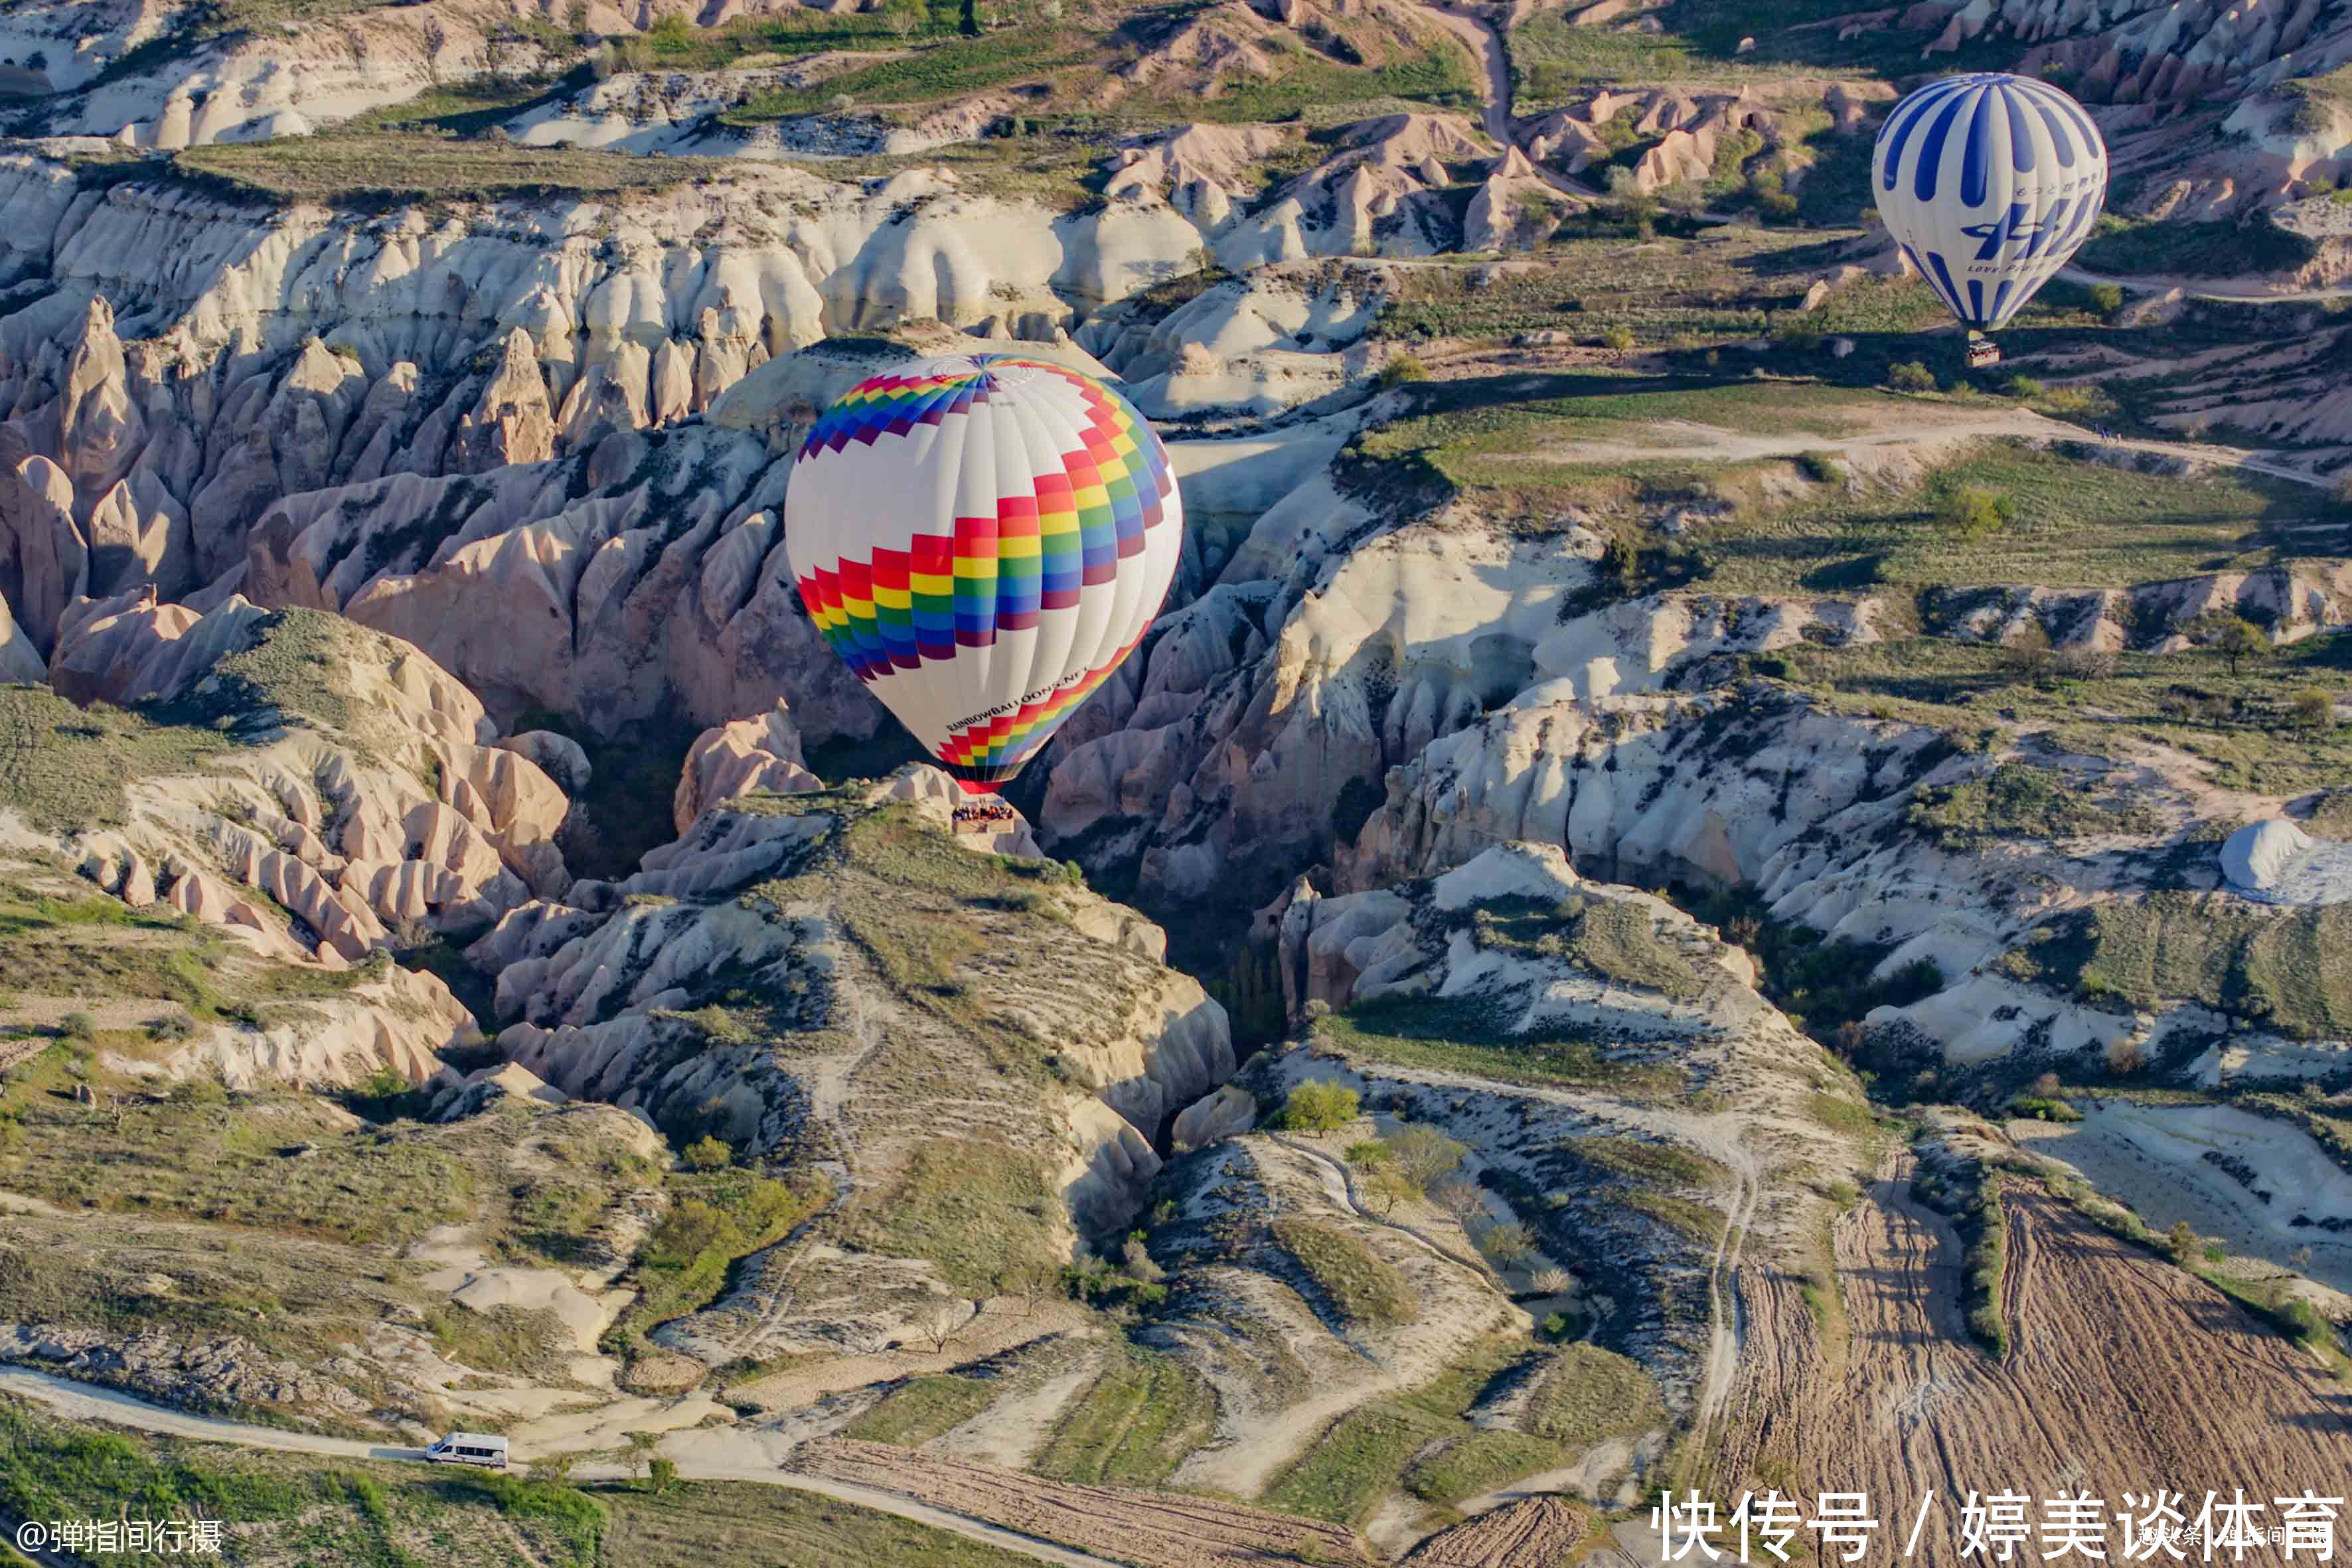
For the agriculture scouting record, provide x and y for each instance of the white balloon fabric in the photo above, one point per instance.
(983, 538)
(1990, 183)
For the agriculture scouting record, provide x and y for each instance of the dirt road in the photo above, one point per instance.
(85, 1402)
(2124, 1374)
(1714, 444)
(2222, 288)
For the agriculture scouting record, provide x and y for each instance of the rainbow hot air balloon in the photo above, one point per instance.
(983, 538)
(1990, 183)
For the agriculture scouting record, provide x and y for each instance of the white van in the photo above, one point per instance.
(468, 1448)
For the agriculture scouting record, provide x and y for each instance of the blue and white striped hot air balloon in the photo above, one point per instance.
(1989, 183)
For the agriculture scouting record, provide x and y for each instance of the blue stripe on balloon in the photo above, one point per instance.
(1976, 155)
(2054, 119)
(2021, 132)
(1975, 298)
(1931, 152)
(1911, 111)
(2046, 228)
(2001, 296)
(1949, 289)
(2085, 126)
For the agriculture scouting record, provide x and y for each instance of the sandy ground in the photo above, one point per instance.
(2124, 1374)
(1149, 1530)
(2152, 1158)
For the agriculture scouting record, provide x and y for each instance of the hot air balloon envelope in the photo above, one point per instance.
(1989, 183)
(983, 538)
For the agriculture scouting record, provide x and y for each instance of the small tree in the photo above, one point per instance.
(2235, 637)
(661, 1475)
(1370, 1152)
(709, 1154)
(2313, 708)
(2182, 1240)
(1911, 376)
(1388, 1187)
(1459, 1198)
(2107, 298)
(1619, 337)
(903, 18)
(640, 1452)
(941, 1324)
(1423, 1155)
(1319, 1106)
(555, 1468)
(2028, 653)
(1506, 1242)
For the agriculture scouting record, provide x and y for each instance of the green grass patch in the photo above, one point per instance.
(1133, 1425)
(1583, 1394)
(290, 1508)
(1363, 1289)
(2288, 970)
(1476, 1462)
(2018, 800)
(2240, 726)
(948, 69)
(1363, 1457)
(920, 1408)
(1466, 1036)
(64, 767)
(387, 167)
(715, 1218)
(985, 1214)
(2220, 250)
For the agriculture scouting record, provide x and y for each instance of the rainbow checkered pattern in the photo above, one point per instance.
(1064, 532)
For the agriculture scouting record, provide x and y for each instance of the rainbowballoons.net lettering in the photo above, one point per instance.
(1990, 183)
(983, 539)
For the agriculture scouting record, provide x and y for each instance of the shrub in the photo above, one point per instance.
(709, 1154)
(2313, 708)
(78, 1026)
(1972, 511)
(1368, 1151)
(1911, 376)
(1401, 369)
(2107, 298)
(2021, 386)
(1619, 337)
(1319, 1106)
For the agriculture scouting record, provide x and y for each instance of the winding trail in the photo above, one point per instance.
(88, 1402)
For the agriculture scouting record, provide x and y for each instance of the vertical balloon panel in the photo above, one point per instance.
(983, 539)
(1990, 183)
